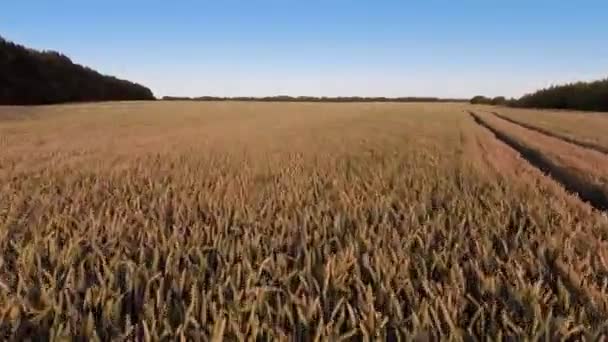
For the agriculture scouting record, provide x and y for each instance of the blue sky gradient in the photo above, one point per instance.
(323, 48)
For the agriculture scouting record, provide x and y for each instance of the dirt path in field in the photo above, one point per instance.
(579, 171)
(563, 137)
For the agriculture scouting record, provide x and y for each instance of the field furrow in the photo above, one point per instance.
(579, 170)
(587, 128)
(564, 137)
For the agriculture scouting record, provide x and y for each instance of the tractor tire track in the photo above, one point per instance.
(593, 195)
(583, 144)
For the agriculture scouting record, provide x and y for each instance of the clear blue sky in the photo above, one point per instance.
(332, 47)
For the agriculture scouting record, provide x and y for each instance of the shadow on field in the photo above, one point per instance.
(570, 181)
(565, 138)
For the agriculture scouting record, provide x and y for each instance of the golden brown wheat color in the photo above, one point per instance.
(203, 221)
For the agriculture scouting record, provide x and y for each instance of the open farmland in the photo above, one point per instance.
(161, 220)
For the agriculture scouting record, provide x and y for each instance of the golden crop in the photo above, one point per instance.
(203, 221)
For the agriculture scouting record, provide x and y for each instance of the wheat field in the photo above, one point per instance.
(290, 221)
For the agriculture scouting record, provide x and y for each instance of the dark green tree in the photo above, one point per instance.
(592, 96)
(30, 77)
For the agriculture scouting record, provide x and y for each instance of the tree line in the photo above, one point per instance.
(284, 98)
(590, 96)
(32, 77)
